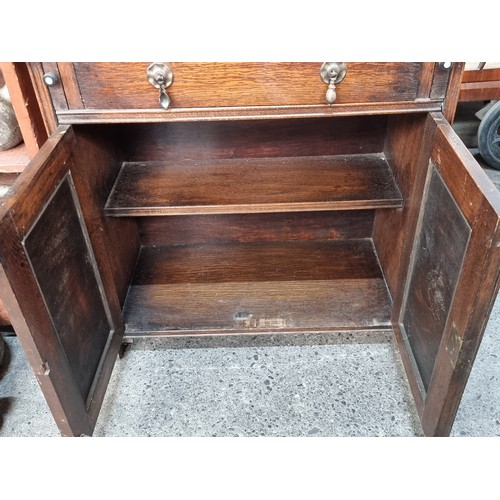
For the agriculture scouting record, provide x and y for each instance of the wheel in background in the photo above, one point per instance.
(488, 136)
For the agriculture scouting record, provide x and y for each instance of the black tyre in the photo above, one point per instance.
(488, 136)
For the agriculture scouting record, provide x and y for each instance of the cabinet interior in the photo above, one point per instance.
(254, 226)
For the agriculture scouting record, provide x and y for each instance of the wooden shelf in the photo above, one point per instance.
(251, 185)
(257, 288)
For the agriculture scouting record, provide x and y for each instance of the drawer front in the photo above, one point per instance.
(124, 86)
(106, 86)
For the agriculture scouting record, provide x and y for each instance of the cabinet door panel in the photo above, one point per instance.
(452, 280)
(66, 318)
(438, 257)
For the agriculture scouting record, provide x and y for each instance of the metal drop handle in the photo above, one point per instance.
(161, 77)
(332, 73)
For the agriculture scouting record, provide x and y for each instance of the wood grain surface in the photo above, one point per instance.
(252, 139)
(202, 85)
(63, 268)
(237, 113)
(21, 291)
(254, 185)
(98, 162)
(439, 253)
(269, 261)
(450, 351)
(253, 288)
(253, 228)
(35, 284)
(407, 148)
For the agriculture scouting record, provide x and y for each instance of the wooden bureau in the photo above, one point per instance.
(249, 205)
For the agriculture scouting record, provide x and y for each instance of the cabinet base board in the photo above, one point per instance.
(257, 288)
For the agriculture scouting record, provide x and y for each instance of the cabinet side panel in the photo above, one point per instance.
(99, 161)
(408, 148)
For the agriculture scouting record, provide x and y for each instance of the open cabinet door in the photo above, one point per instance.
(56, 284)
(452, 279)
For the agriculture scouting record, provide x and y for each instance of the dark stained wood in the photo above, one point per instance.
(250, 139)
(252, 228)
(270, 261)
(440, 82)
(98, 162)
(300, 286)
(425, 80)
(477, 283)
(408, 147)
(452, 94)
(437, 262)
(66, 406)
(245, 112)
(43, 97)
(257, 307)
(63, 267)
(253, 185)
(459, 352)
(115, 246)
(56, 91)
(202, 85)
(245, 139)
(26, 106)
(22, 292)
(68, 80)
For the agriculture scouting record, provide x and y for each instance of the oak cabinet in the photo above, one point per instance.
(249, 211)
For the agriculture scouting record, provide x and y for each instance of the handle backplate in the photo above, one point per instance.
(332, 73)
(161, 76)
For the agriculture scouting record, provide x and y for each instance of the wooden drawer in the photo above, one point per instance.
(101, 89)
(250, 226)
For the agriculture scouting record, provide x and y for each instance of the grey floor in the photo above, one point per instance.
(349, 384)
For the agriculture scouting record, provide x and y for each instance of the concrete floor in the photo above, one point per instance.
(349, 384)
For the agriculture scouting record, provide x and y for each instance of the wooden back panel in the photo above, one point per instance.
(251, 139)
(251, 228)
